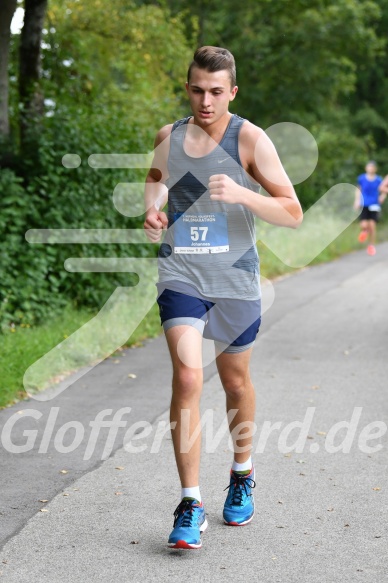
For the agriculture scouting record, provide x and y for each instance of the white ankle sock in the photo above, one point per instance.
(192, 492)
(236, 467)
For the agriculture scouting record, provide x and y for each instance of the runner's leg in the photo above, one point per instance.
(364, 232)
(185, 345)
(372, 231)
(233, 369)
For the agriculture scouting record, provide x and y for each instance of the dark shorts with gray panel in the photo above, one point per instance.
(233, 324)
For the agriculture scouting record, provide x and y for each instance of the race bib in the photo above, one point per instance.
(201, 233)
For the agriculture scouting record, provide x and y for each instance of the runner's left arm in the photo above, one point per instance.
(260, 159)
(383, 189)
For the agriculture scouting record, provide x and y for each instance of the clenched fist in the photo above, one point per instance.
(154, 224)
(222, 188)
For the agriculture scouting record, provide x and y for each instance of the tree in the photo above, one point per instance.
(111, 75)
(7, 10)
(31, 96)
(115, 64)
(369, 103)
(305, 62)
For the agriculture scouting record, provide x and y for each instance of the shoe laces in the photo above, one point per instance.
(184, 512)
(240, 483)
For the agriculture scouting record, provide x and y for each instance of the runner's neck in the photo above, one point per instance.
(217, 130)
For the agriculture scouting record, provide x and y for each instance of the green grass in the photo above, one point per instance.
(271, 266)
(21, 347)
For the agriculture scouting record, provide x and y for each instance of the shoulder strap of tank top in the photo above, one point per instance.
(230, 140)
(180, 122)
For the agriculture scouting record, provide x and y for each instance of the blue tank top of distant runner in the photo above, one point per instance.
(369, 189)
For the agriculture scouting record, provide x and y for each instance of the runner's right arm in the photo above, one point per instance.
(155, 192)
(357, 198)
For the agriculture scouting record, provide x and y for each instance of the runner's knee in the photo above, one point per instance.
(187, 383)
(235, 386)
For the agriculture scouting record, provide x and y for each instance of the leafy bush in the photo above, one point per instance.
(35, 282)
(104, 70)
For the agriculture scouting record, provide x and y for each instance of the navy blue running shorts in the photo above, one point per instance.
(232, 323)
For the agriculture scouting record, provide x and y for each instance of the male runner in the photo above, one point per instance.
(369, 184)
(209, 167)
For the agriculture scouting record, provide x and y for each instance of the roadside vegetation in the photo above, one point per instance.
(84, 78)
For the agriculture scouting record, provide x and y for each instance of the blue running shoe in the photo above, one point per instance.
(190, 521)
(239, 506)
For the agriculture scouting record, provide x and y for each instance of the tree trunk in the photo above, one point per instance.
(7, 10)
(31, 96)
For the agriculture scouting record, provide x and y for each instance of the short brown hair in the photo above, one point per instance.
(214, 59)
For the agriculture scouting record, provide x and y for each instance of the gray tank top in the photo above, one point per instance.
(221, 261)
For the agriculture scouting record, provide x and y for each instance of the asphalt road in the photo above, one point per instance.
(319, 367)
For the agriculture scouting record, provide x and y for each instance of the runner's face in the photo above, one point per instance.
(209, 95)
(370, 169)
